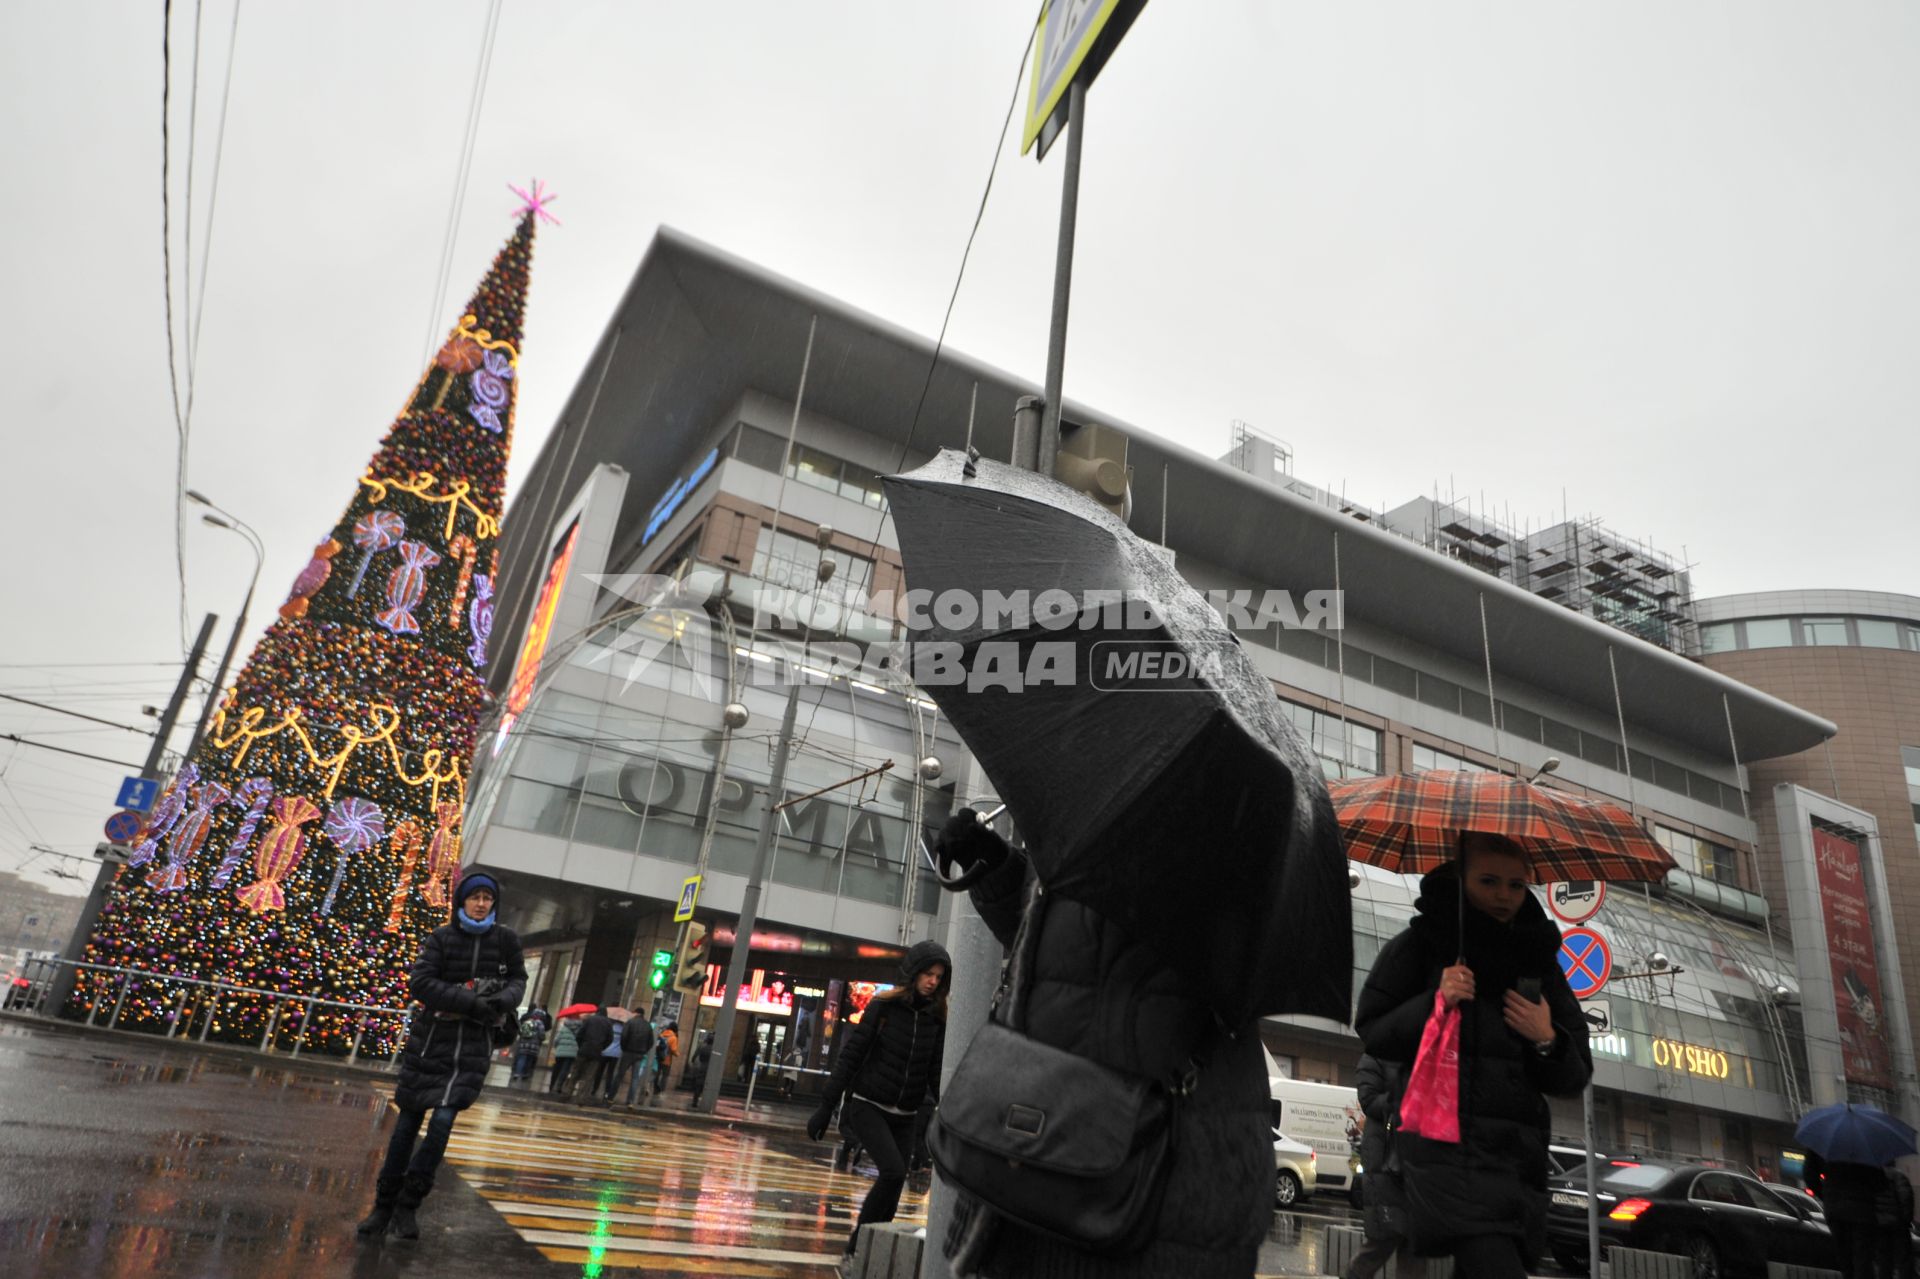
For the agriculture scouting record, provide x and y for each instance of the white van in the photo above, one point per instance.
(1324, 1116)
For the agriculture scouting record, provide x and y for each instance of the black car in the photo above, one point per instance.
(1727, 1224)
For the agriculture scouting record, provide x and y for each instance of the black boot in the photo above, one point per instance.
(385, 1194)
(412, 1191)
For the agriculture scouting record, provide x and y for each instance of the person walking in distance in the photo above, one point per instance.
(470, 976)
(1378, 1084)
(891, 1063)
(526, 1049)
(595, 1036)
(666, 1046)
(566, 1049)
(636, 1056)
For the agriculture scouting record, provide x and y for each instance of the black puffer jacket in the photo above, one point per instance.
(895, 1052)
(1378, 1085)
(445, 1059)
(1098, 994)
(596, 1035)
(1493, 1181)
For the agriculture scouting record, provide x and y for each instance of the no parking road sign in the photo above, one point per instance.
(122, 827)
(1585, 960)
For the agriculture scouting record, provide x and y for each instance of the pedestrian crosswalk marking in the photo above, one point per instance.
(669, 1198)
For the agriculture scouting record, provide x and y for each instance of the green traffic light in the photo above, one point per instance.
(657, 978)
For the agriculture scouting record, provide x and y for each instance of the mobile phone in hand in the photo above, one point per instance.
(1529, 988)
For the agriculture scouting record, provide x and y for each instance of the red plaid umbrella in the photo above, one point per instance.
(1412, 822)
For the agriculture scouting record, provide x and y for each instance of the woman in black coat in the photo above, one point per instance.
(1378, 1084)
(1522, 1039)
(470, 975)
(1097, 993)
(889, 1065)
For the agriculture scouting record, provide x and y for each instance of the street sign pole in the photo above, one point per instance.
(1593, 1198)
(1063, 278)
(750, 905)
(62, 988)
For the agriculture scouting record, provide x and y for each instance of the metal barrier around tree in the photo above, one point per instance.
(281, 1005)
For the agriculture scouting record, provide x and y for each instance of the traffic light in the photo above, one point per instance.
(690, 973)
(657, 975)
(1093, 460)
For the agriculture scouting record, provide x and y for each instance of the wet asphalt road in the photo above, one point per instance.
(124, 1157)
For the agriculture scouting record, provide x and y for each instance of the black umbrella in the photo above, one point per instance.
(1143, 756)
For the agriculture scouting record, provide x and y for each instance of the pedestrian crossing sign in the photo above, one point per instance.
(689, 894)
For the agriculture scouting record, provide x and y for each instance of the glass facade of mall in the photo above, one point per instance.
(620, 755)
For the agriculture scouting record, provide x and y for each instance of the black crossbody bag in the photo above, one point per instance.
(1048, 1139)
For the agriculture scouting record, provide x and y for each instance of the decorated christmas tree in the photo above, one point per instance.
(310, 843)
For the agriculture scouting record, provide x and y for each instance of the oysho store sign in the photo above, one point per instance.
(1691, 1059)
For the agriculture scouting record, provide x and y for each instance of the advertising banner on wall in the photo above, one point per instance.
(1856, 972)
(533, 646)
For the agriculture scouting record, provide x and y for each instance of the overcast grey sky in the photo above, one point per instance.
(1661, 256)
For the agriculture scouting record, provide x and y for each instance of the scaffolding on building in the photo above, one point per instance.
(1576, 562)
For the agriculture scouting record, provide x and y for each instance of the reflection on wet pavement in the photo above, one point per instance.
(617, 1191)
(128, 1158)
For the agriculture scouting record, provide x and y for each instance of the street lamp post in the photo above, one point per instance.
(233, 524)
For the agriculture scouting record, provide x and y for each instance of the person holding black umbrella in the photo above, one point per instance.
(1098, 993)
(1490, 952)
(1849, 1194)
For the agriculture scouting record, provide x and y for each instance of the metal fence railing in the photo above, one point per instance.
(773, 1068)
(206, 998)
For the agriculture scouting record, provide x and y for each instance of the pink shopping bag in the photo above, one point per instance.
(1430, 1107)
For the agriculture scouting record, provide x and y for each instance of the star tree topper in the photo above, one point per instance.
(535, 201)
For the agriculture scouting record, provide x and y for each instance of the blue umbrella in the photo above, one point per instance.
(1845, 1133)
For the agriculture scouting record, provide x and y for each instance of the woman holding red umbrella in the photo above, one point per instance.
(1489, 952)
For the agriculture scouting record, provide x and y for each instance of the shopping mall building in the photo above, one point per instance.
(704, 526)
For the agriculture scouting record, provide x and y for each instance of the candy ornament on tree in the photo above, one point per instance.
(465, 549)
(489, 383)
(374, 534)
(354, 826)
(405, 587)
(481, 619)
(280, 851)
(443, 857)
(354, 703)
(406, 842)
(189, 835)
(253, 796)
(166, 815)
(312, 578)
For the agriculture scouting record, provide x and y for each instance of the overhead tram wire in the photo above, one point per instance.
(476, 100)
(14, 737)
(186, 212)
(58, 710)
(166, 274)
(199, 309)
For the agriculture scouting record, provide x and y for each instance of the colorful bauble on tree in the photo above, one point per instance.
(333, 778)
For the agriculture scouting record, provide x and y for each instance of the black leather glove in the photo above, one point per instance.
(492, 1008)
(966, 843)
(817, 1122)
